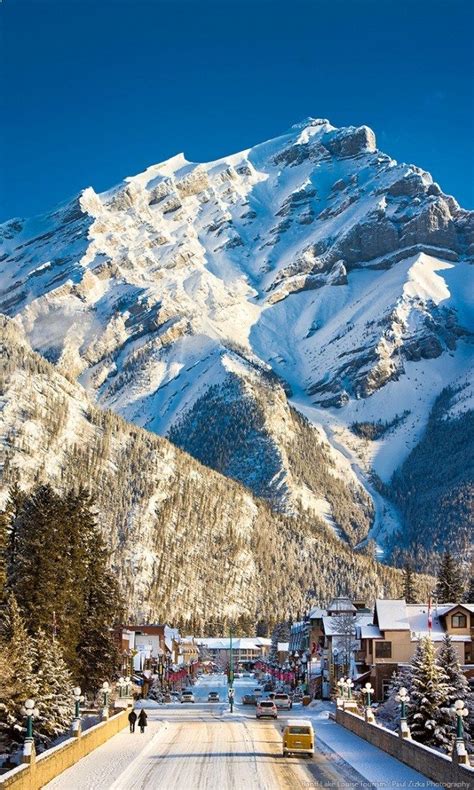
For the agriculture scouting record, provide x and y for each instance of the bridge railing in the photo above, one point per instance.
(46, 766)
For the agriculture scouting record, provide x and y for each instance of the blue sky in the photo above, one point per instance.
(94, 90)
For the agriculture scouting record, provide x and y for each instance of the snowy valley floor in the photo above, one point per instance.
(204, 747)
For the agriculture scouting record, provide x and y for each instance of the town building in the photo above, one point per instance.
(390, 640)
(244, 649)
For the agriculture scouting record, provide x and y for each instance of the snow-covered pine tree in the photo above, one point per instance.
(55, 689)
(409, 587)
(458, 685)
(389, 711)
(469, 595)
(41, 574)
(103, 607)
(450, 584)
(18, 680)
(427, 717)
(15, 501)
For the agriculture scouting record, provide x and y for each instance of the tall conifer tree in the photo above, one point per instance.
(458, 685)
(451, 581)
(55, 688)
(409, 591)
(427, 716)
(18, 680)
(103, 606)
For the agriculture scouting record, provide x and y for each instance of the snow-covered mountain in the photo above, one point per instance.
(186, 543)
(311, 269)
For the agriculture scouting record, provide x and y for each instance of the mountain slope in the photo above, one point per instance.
(186, 542)
(312, 266)
(434, 487)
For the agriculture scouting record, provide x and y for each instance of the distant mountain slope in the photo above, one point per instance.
(434, 488)
(186, 542)
(339, 276)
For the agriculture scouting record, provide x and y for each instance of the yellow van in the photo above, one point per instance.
(298, 737)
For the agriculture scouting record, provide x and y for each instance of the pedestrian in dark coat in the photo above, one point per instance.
(142, 720)
(132, 717)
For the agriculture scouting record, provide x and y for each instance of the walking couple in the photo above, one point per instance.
(142, 720)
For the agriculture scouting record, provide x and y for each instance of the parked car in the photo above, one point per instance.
(266, 707)
(187, 696)
(283, 701)
(213, 696)
(298, 737)
(268, 687)
(249, 699)
(257, 691)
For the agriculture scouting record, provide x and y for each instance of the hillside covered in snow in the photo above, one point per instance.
(187, 543)
(218, 303)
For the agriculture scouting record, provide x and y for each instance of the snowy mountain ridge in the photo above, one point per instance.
(313, 260)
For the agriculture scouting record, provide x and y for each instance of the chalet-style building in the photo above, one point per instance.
(390, 640)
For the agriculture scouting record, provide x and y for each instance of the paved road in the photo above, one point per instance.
(204, 747)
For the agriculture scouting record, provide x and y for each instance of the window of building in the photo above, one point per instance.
(458, 621)
(383, 650)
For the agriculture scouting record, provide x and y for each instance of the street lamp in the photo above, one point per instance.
(121, 684)
(349, 684)
(304, 661)
(77, 700)
(368, 690)
(403, 698)
(342, 686)
(105, 693)
(460, 711)
(30, 712)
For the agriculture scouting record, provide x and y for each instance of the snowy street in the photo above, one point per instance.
(202, 745)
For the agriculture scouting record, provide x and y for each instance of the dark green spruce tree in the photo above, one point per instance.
(409, 586)
(42, 573)
(451, 580)
(103, 605)
(469, 595)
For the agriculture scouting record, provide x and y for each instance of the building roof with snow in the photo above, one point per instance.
(391, 614)
(316, 613)
(341, 604)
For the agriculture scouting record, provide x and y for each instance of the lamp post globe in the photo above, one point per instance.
(30, 712)
(105, 692)
(341, 683)
(349, 686)
(403, 697)
(368, 691)
(77, 692)
(121, 684)
(460, 712)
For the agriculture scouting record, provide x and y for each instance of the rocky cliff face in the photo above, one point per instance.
(314, 262)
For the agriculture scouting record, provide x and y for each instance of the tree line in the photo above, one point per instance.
(58, 603)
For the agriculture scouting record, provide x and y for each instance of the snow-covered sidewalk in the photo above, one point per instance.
(106, 764)
(377, 767)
